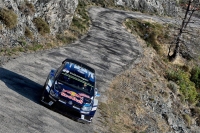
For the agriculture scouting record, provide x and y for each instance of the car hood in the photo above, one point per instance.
(68, 93)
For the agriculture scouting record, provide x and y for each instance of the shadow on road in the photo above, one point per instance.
(28, 89)
(21, 84)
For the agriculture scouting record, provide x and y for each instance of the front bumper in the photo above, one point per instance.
(66, 109)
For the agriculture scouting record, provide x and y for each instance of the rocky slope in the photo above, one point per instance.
(58, 15)
(147, 102)
(160, 7)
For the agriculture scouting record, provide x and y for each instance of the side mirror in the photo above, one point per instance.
(52, 72)
(96, 93)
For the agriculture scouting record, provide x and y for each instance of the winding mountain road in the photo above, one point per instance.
(107, 47)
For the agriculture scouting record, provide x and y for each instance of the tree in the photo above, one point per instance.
(191, 7)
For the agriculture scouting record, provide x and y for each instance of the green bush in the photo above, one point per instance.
(195, 77)
(187, 87)
(9, 18)
(42, 26)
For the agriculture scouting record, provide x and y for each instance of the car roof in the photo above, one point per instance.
(80, 64)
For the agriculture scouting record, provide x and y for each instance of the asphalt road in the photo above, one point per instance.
(108, 48)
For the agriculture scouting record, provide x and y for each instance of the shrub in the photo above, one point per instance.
(41, 25)
(27, 8)
(30, 6)
(196, 113)
(187, 87)
(187, 119)
(195, 77)
(28, 33)
(9, 18)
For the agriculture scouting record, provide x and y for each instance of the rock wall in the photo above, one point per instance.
(57, 13)
(160, 7)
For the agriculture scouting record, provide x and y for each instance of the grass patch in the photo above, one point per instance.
(35, 47)
(41, 25)
(152, 33)
(8, 17)
(187, 87)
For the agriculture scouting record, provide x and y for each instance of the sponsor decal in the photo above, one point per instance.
(74, 96)
(81, 70)
(76, 78)
(84, 95)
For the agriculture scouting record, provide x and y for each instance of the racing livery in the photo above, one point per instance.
(72, 87)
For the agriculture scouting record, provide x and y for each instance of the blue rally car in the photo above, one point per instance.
(71, 88)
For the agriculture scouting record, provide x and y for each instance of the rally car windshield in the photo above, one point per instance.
(77, 82)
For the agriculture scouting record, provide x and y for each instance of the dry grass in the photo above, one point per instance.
(8, 17)
(187, 119)
(66, 37)
(41, 25)
(28, 33)
(27, 8)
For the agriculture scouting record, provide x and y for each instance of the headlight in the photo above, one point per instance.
(86, 108)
